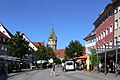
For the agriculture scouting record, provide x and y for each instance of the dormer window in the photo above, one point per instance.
(3, 31)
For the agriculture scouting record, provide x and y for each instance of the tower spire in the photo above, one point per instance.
(52, 39)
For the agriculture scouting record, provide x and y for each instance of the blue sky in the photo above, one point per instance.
(72, 19)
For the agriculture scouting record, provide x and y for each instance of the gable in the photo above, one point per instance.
(5, 31)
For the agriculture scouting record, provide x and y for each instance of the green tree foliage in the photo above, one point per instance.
(18, 46)
(44, 53)
(94, 57)
(74, 47)
(65, 58)
(58, 61)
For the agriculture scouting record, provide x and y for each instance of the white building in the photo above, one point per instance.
(90, 42)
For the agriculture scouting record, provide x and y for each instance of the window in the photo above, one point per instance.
(4, 40)
(107, 46)
(97, 38)
(107, 31)
(0, 38)
(116, 24)
(2, 48)
(115, 40)
(103, 47)
(111, 28)
(119, 40)
(110, 44)
(101, 35)
(104, 34)
(119, 8)
(116, 10)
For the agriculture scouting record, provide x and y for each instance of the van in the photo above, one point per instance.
(69, 65)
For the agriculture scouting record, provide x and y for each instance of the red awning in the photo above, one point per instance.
(82, 57)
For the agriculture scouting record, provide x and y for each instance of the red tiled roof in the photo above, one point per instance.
(60, 52)
(37, 43)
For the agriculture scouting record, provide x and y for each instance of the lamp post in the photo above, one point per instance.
(116, 72)
(74, 58)
(97, 59)
(105, 60)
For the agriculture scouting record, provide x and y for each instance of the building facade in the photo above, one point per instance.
(117, 25)
(117, 20)
(90, 42)
(5, 36)
(52, 40)
(104, 26)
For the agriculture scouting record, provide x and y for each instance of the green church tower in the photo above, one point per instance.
(52, 39)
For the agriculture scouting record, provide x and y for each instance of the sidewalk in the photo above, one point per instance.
(16, 73)
(100, 75)
(4, 77)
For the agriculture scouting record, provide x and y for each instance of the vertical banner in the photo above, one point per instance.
(88, 63)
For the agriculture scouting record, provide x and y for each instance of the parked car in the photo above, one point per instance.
(69, 65)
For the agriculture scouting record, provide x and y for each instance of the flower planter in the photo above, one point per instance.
(95, 68)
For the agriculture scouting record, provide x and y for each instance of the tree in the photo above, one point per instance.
(44, 53)
(94, 57)
(74, 49)
(18, 46)
(58, 61)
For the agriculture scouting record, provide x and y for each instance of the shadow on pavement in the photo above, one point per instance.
(57, 74)
(3, 76)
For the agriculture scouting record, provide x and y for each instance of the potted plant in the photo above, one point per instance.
(94, 61)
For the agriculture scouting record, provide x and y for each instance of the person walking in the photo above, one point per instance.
(53, 70)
